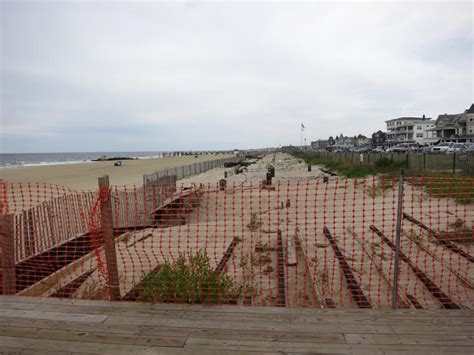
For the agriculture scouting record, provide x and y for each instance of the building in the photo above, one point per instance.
(469, 115)
(411, 130)
(320, 144)
(455, 127)
(362, 141)
(343, 142)
(379, 138)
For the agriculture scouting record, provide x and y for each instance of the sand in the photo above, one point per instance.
(300, 206)
(84, 176)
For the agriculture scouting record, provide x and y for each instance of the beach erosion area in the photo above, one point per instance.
(84, 176)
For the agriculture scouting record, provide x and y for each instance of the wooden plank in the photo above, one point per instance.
(307, 347)
(292, 255)
(352, 284)
(403, 301)
(74, 317)
(65, 218)
(315, 285)
(23, 237)
(431, 251)
(62, 345)
(312, 312)
(17, 232)
(21, 350)
(411, 339)
(95, 327)
(93, 336)
(109, 244)
(436, 291)
(446, 243)
(8, 254)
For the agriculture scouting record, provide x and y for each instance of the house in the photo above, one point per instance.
(446, 127)
(362, 141)
(320, 144)
(343, 142)
(411, 130)
(469, 115)
(379, 138)
(455, 127)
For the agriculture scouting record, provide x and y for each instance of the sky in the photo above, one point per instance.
(141, 76)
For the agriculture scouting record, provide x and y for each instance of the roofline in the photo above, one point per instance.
(411, 119)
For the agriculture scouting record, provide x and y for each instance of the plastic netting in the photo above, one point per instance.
(323, 242)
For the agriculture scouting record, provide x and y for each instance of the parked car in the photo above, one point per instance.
(427, 149)
(469, 149)
(378, 149)
(360, 150)
(400, 148)
(405, 148)
(440, 148)
(456, 148)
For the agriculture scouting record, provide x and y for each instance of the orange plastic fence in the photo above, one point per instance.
(297, 243)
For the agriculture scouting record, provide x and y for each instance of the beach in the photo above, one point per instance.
(84, 176)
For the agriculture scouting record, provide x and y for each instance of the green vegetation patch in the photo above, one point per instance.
(380, 187)
(188, 280)
(461, 189)
(254, 223)
(352, 169)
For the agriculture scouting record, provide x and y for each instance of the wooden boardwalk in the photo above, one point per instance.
(53, 326)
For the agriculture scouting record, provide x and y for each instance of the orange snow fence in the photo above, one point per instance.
(321, 242)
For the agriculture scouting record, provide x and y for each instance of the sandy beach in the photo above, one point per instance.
(84, 175)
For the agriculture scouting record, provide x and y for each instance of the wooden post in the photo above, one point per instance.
(8, 254)
(30, 237)
(109, 243)
(396, 263)
(454, 163)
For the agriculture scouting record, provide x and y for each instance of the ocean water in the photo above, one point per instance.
(9, 160)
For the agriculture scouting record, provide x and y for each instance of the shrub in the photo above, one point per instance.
(357, 172)
(387, 164)
(188, 280)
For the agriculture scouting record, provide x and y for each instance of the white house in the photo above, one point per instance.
(411, 130)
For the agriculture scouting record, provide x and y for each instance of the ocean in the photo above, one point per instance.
(10, 160)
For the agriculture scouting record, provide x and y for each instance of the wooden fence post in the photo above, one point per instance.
(8, 254)
(30, 237)
(396, 264)
(454, 163)
(109, 243)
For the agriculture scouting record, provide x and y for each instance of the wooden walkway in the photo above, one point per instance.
(54, 326)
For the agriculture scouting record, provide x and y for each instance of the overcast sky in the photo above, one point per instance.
(104, 76)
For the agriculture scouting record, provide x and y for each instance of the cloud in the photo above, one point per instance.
(171, 76)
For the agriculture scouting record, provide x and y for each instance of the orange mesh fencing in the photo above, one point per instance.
(322, 242)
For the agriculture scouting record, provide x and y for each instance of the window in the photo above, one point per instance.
(418, 127)
(419, 135)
